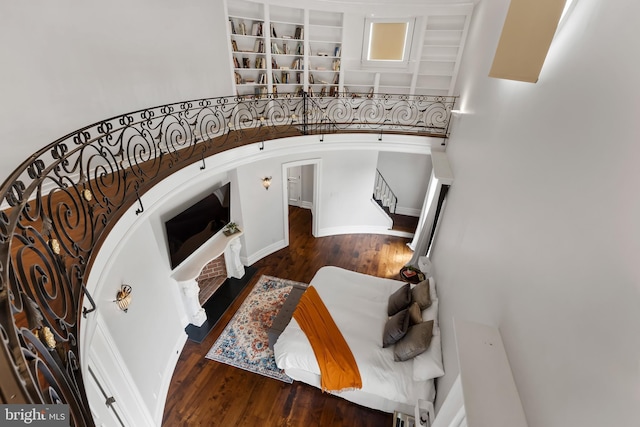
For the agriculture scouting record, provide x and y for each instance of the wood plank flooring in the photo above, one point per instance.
(207, 393)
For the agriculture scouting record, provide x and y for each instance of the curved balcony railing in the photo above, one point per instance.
(59, 205)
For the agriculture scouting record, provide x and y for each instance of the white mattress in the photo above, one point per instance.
(358, 305)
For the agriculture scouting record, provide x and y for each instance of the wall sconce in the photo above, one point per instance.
(123, 297)
(266, 182)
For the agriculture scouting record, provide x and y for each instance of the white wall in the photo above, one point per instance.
(67, 64)
(346, 197)
(408, 176)
(307, 185)
(347, 178)
(541, 230)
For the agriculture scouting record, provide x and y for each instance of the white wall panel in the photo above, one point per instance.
(541, 233)
(68, 64)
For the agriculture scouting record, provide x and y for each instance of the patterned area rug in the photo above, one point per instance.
(244, 343)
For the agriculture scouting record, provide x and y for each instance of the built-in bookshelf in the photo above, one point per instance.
(293, 50)
(434, 64)
(287, 50)
(325, 52)
(246, 28)
(442, 45)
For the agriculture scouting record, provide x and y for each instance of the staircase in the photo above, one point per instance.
(383, 194)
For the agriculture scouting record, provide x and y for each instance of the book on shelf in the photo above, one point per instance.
(238, 78)
(261, 63)
(298, 91)
(299, 33)
(276, 79)
(258, 47)
(311, 78)
(337, 51)
(232, 26)
(236, 63)
(259, 92)
(300, 49)
(234, 46)
(275, 49)
(274, 64)
(323, 91)
(262, 79)
(285, 49)
(273, 32)
(335, 66)
(297, 64)
(285, 77)
(243, 29)
(336, 79)
(256, 29)
(246, 63)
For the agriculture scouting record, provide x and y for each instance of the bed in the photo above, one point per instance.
(358, 305)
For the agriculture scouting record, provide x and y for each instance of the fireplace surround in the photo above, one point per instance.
(196, 267)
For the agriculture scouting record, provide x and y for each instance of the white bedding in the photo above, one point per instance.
(358, 305)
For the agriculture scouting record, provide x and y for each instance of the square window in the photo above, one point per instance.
(387, 42)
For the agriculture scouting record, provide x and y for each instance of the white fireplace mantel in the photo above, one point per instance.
(187, 272)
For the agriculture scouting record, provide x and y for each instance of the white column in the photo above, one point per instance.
(232, 259)
(195, 312)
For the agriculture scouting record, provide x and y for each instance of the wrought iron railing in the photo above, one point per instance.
(59, 205)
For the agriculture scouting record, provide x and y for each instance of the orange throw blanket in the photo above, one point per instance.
(338, 368)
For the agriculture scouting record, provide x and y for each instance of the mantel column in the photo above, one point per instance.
(190, 291)
(232, 259)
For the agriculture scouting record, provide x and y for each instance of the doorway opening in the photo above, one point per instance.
(301, 189)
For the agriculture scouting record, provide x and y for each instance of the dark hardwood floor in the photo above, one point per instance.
(207, 393)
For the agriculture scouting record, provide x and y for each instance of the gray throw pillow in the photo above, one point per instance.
(395, 328)
(421, 294)
(415, 314)
(414, 342)
(399, 300)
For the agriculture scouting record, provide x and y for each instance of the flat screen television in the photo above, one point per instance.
(191, 228)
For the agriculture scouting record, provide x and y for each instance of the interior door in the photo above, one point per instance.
(294, 185)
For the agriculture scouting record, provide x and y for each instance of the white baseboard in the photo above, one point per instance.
(332, 231)
(408, 211)
(253, 258)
